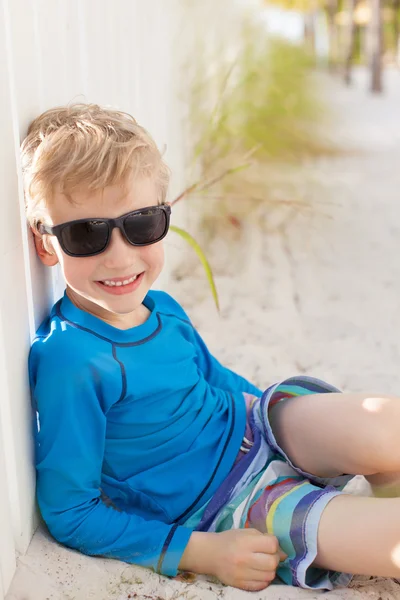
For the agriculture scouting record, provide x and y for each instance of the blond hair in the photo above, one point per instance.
(85, 146)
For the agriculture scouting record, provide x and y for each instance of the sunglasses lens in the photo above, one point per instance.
(147, 227)
(83, 239)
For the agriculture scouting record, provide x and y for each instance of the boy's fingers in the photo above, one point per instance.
(256, 575)
(282, 555)
(253, 586)
(265, 562)
(267, 544)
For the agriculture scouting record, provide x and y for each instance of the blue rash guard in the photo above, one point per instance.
(135, 430)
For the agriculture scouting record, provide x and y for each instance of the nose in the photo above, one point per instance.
(119, 253)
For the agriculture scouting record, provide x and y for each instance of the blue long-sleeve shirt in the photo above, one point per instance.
(136, 429)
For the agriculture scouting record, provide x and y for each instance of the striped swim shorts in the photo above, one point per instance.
(265, 491)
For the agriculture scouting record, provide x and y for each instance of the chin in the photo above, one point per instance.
(123, 306)
(123, 311)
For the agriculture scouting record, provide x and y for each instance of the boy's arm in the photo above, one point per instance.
(218, 375)
(70, 449)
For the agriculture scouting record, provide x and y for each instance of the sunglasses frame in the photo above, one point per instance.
(112, 223)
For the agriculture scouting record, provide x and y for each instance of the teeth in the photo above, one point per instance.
(118, 283)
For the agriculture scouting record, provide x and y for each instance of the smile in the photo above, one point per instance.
(112, 282)
(120, 285)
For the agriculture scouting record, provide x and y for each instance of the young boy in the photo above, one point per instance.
(148, 449)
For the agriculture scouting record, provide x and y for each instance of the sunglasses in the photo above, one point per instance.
(88, 237)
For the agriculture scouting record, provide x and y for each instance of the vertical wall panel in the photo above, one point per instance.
(50, 45)
(25, 83)
(7, 547)
(17, 500)
(98, 48)
(124, 53)
(73, 57)
(54, 52)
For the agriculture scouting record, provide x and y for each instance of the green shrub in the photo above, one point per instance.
(259, 109)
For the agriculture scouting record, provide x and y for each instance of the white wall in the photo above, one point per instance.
(53, 52)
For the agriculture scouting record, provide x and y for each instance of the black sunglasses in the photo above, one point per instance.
(88, 237)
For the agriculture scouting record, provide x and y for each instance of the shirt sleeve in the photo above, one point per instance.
(219, 376)
(70, 442)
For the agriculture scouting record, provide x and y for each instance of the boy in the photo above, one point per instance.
(148, 449)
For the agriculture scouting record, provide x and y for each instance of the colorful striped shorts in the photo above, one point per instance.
(265, 491)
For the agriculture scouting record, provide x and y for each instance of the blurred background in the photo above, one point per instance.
(281, 124)
(292, 129)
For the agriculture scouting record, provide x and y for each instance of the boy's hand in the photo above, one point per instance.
(243, 558)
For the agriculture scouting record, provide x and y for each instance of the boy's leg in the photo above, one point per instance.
(360, 535)
(385, 485)
(333, 434)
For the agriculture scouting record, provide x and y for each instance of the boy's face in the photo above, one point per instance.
(119, 305)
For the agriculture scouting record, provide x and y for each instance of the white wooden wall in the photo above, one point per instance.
(52, 52)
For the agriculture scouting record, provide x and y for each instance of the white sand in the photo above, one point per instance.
(321, 300)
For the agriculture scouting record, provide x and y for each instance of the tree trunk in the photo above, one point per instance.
(376, 46)
(331, 9)
(396, 32)
(350, 42)
(309, 32)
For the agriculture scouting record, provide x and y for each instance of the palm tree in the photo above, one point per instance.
(331, 10)
(376, 40)
(396, 32)
(350, 41)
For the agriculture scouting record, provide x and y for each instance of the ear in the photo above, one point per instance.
(47, 257)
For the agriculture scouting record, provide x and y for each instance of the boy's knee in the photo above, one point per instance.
(386, 441)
